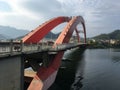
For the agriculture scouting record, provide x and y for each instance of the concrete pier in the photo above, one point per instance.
(11, 73)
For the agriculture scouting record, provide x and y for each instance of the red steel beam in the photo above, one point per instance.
(66, 34)
(36, 35)
(45, 72)
(77, 33)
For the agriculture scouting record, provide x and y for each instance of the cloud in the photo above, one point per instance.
(43, 7)
(100, 15)
(19, 16)
(4, 7)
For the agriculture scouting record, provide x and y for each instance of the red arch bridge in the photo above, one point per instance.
(43, 58)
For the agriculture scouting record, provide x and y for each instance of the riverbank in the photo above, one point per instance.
(102, 46)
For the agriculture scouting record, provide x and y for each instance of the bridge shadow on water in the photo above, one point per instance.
(70, 73)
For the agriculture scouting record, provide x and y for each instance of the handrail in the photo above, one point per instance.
(12, 47)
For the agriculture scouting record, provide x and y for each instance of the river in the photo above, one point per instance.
(95, 69)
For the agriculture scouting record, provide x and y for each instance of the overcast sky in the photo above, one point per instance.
(101, 16)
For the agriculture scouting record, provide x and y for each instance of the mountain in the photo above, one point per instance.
(113, 35)
(7, 32)
(2, 37)
(11, 32)
(52, 35)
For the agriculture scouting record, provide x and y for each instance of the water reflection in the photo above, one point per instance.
(115, 55)
(101, 70)
(116, 59)
(70, 74)
(96, 69)
(77, 83)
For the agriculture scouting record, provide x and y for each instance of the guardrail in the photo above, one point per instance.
(13, 47)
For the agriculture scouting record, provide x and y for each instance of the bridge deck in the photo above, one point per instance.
(9, 50)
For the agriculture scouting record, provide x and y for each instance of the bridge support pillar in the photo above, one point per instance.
(11, 73)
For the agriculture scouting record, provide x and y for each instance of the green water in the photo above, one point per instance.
(95, 69)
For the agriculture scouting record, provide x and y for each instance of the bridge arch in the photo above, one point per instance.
(43, 73)
(36, 35)
(67, 32)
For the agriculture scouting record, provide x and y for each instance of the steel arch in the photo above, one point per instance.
(36, 35)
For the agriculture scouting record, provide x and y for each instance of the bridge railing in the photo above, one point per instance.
(63, 46)
(13, 47)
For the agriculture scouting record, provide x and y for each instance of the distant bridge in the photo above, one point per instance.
(44, 59)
